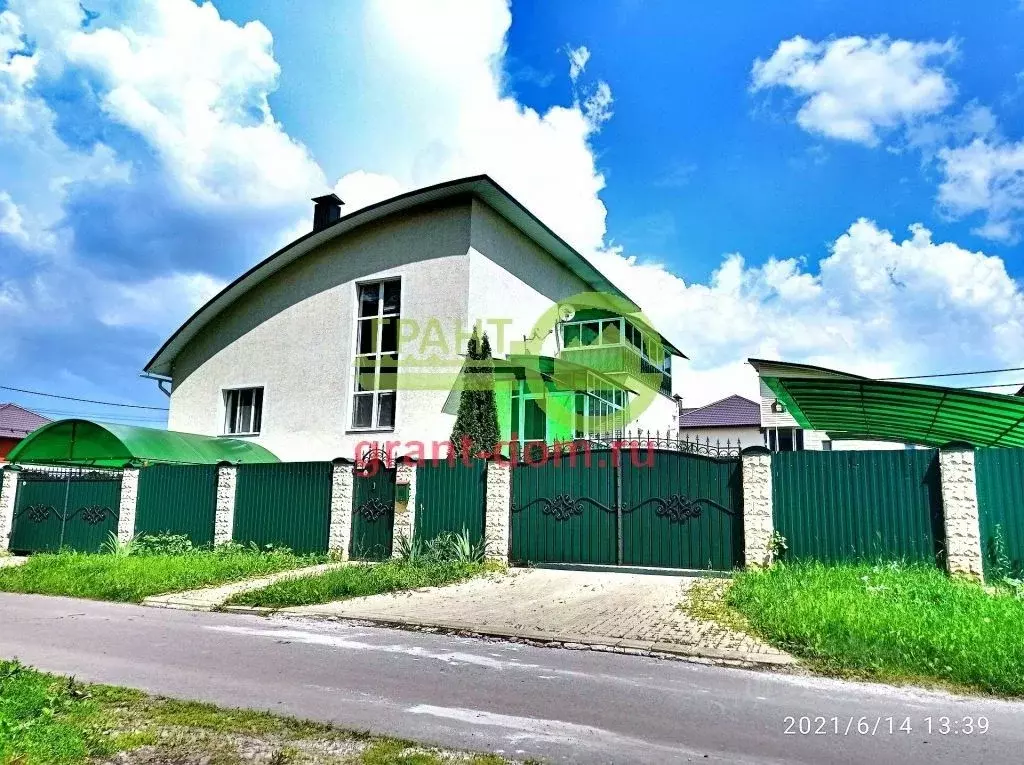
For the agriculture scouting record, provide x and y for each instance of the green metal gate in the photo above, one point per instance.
(65, 508)
(373, 512)
(661, 508)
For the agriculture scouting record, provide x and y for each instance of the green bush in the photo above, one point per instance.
(888, 621)
(162, 544)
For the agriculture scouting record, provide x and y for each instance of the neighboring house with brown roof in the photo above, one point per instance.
(733, 419)
(15, 423)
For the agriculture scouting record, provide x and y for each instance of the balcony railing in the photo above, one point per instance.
(620, 359)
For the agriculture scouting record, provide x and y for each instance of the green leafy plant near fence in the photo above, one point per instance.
(447, 559)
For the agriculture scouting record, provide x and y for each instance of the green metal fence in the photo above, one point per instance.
(1000, 480)
(285, 504)
(450, 498)
(178, 499)
(859, 505)
(373, 514)
(65, 509)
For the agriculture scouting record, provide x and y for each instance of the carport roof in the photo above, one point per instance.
(851, 406)
(96, 444)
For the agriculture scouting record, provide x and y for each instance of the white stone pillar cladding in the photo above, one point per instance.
(758, 524)
(342, 494)
(497, 517)
(126, 508)
(8, 497)
(960, 511)
(405, 512)
(224, 522)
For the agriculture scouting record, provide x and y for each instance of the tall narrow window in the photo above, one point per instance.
(374, 396)
(243, 411)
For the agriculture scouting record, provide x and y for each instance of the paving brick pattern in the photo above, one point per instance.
(636, 610)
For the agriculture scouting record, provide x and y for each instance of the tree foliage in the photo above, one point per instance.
(477, 418)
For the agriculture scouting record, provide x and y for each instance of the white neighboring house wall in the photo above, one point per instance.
(294, 333)
(746, 436)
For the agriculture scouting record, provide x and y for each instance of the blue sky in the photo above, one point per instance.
(750, 172)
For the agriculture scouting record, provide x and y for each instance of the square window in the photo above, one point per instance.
(610, 333)
(589, 332)
(367, 341)
(389, 335)
(392, 296)
(243, 411)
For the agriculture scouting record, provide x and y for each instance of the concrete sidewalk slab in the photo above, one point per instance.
(619, 612)
(212, 598)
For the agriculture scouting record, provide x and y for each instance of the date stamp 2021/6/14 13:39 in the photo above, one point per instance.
(821, 725)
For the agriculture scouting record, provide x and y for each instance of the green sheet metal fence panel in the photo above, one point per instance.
(54, 511)
(450, 498)
(286, 504)
(682, 511)
(178, 499)
(560, 510)
(373, 513)
(1000, 480)
(859, 505)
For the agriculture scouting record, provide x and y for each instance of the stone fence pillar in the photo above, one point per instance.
(960, 510)
(497, 517)
(224, 520)
(128, 503)
(758, 523)
(8, 498)
(342, 493)
(405, 505)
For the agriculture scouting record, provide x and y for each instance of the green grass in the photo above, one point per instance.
(888, 622)
(132, 578)
(49, 720)
(357, 580)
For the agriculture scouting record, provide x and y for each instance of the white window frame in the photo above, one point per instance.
(375, 394)
(227, 393)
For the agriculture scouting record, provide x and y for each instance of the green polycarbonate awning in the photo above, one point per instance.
(848, 406)
(98, 444)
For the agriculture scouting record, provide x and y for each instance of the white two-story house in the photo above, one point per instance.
(356, 332)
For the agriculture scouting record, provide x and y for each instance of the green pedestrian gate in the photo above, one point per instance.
(373, 512)
(65, 508)
(650, 507)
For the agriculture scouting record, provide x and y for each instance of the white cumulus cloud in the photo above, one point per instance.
(856, 89)
(986, 175)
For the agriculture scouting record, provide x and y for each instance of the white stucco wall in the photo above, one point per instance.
(748, 436)
(294, 334)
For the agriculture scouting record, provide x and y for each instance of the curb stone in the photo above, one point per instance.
(661, 650)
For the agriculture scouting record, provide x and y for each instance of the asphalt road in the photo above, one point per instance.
(551, 704)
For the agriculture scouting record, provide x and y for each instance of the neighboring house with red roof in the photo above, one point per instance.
(15, 423)
(733, 419)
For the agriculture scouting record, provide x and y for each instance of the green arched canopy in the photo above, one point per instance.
(83, 442)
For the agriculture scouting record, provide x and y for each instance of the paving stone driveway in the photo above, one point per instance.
(564, 606)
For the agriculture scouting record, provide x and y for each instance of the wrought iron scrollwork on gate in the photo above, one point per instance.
(675, 508)
(38, 513)
(94, 514)
(562, 507)
(373, 509)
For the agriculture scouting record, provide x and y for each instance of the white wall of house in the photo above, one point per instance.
(294, 335)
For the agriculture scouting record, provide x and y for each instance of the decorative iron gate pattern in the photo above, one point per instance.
(859, 505)
(373, 513)
(284, 504)
(1000, 476)
(178, 499)
(72, 509)
(450, 498)
(663, 508)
